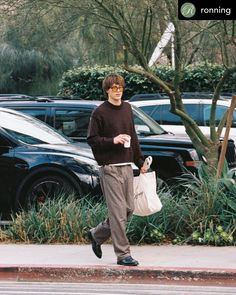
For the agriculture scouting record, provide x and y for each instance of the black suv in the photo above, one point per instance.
(36, 162)
(172, 155)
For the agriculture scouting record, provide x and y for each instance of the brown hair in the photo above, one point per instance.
(111, 80)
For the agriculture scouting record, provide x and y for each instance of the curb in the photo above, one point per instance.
(117, 274)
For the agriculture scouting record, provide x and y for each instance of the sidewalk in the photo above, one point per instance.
(77, 263)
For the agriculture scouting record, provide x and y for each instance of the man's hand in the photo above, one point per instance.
(146, 165)
(121, 138)
(143, 170)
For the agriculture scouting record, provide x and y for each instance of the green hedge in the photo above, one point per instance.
(86, 82)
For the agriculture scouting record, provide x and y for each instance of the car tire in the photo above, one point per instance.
(46, 187)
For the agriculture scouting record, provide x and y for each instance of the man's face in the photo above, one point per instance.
(115, 92)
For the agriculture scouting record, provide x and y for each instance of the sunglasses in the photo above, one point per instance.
(116, 88)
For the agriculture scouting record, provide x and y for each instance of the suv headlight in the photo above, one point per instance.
(194, 154)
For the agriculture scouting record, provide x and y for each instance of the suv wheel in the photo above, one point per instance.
(46, 187)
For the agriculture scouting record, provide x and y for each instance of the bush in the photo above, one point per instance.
(206, 204)
(86, 82)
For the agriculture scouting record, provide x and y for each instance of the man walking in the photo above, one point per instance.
(115, 146)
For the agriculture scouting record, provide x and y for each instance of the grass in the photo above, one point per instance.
(200, 210)
(61, 220)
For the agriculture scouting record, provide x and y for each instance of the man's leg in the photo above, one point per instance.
(102, 231)
(117, 183)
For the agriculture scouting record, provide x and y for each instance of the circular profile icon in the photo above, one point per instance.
(188, 10)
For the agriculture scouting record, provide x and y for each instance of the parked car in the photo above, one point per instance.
(9, 96)
(172, 154)
(196, 94)
(199, 110)
(36, 162)
(147, 96)
(185, 94)
(227, 95)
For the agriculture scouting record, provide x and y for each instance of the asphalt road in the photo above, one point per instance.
(29, 288)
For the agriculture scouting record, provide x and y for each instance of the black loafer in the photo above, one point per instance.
(128, 261)
(95, 246)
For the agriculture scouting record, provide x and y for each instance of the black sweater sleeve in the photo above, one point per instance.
(95, 129)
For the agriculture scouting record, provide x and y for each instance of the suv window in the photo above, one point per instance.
(72, 122)
(148, 109)
(145, 125)
(29, 130)
(163, 115)
(220, 110)
(37, 113)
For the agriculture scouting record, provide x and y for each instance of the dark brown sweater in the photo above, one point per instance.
(108, 121)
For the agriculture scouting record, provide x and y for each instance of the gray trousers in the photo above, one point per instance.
(117, 187)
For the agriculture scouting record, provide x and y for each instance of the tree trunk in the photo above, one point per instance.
(212, 159)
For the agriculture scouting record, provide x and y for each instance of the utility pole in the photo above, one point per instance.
(172, 51)
(165, 38)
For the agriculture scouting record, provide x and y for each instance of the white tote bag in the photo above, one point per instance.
(146, 200)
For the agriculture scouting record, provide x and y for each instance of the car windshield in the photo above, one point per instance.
(28, 129)
(145, 125)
